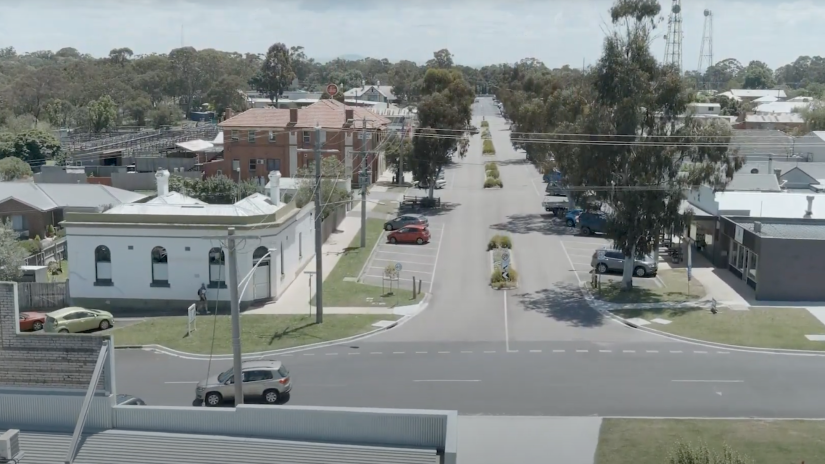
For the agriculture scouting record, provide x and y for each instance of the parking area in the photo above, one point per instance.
(417, 261)
(580, 252)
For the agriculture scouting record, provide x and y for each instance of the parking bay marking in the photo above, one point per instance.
(402, 262)
(422, 255)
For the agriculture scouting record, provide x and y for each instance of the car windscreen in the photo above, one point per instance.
(284, 372)
(225, 375)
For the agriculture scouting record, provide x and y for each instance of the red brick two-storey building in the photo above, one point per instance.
(261, 140)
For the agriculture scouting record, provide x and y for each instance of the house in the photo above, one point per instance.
(811, 146)
(753, 94)
(797, 175)
(262, 140)
(704, 109)
(401, 119)
(743, 182)
(762, 144)
(33, 207)
(781, 107)
(766, 99)
(372, 93)
(773, 121)
(154, 256)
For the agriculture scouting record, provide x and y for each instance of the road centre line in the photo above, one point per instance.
(402, 262)
(437, 253)
(446, 380)
(506, 327)
(572, 266)
(708, 381)
(180, 383)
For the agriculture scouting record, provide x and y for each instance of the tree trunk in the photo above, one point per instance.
(432, 189)
(656, 251)
(627, 275)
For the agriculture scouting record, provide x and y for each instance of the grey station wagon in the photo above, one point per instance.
(263, 379)
(608, 260)
(406, 220)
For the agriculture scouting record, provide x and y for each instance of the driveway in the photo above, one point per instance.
(417, 261)
(580, 251)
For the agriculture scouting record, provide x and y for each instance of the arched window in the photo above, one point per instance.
(259, 254)
(103, 266)
(754, 171)
(217, 272)
(160, 267)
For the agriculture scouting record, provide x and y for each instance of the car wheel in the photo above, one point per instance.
(601, 268)
(37, 326)
(271, 396)
(388, 227)
(587, 231)
(393, 240)
(419, 241)
(63, 331)
(104, 324)
(213, 399)
(640, 271)
(570, 223)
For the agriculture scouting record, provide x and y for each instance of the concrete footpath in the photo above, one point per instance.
(295, 299)
(527, 440)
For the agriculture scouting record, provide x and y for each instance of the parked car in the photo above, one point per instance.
(571, 217)
(32, 322)
(129, 400)
(609, 260)
(555, 189)
(268, 380)
(414, 233)
(553, 205)
(589, 223)
(75, 319)
(440, 183)
(473, 130)
(405, 220)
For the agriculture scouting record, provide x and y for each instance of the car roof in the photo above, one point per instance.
(416, 226)
(64, 311)
(417, 216)
(262, 364)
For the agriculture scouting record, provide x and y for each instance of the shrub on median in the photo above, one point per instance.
(499, 241)
(492, 170)
(498, 281)
(486, 135)
(487, 148)
(492, 183)
(485, 123)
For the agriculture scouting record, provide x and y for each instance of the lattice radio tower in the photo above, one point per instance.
(673, 46)
(706, 51)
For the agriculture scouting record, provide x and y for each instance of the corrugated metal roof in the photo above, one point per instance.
(786, 118)
(781, 107)
(787, 230)
(124, 447)
(385, 90)
(813, 169)
(761, 142)
(750, 93)
(46, 197)
(177, 204)
(770, 204)
(175, 198)
(287, 183)
(766, 99)
(195, 145)
(754, 182)
(260, 204)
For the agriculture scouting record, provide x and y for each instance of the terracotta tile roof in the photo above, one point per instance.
(327, 113)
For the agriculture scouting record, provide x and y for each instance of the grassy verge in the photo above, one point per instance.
(757, 327)
(649, 441)
(258, 332)
(675, 290)
(346, 294)
(64, 273)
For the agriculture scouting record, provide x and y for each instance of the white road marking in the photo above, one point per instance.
(180, 383)
(605, 351)
(397, 352)
(353, 353)
(421, 255)
(652, 351)
(533, 183)
(535, 351)
(558, 351)
(446, 380)
(466, 352)
(309, 354)
(489, 352)
(582, 351)
(675, 351)
(420, 352)
(400, 261)
(709, 381)
(437, 253)
(332, 354)
(628, 351)
(701, 352)
(404, 271)
(572, 266)
(723, 352)
(376, 352)
(443, 352)
(381, 277)
(506, 328)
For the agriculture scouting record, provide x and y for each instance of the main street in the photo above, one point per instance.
(537, 350)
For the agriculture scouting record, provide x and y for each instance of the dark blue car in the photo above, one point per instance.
(553, 176)
(571, 216)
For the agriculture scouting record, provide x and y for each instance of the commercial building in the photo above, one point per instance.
(262, 140)
(154, 256)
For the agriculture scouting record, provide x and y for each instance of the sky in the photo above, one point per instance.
(478, 32)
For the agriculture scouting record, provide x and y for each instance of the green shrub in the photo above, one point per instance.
(493, 174)
(488, 148)
(492, 170)
(491, 165)
(485, 134)
(496, 277)
(686, 453)
(50, 231)
(485, 123)
(505, 242)
(491, 182)
(512, 274)
(32, 247)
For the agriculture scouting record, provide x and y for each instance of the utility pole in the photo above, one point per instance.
(401, 152)
(363, 178)
(234, 304)
(319, 241)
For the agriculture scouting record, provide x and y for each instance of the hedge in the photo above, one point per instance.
(487, 148)
(491, 182)
(485, 123)
(492, 170)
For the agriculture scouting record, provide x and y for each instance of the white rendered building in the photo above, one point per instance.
(156, 255)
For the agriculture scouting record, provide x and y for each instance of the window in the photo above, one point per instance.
(217, 262)
(752, 260)
(754, 171)
(236, 165)
(300, 245)
(250, 136)
(260, 256)
(273, 164)
(103, 266)
(273, 136)
(19, 223)
(282, 258)
(160, 267)
(306, 137)
(257, 376)
(252, 163)
(234, 136)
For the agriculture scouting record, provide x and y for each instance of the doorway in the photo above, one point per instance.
(262, 277)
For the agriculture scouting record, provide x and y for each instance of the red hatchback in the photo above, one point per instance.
(32, 321)
(413, 233)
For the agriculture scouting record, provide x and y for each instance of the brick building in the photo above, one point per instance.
(261, 140)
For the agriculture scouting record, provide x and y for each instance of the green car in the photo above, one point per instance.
(76, 320)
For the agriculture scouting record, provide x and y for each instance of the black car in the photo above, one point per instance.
(473, 130)
(129, 400)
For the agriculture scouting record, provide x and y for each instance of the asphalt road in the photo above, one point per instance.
(536, 350)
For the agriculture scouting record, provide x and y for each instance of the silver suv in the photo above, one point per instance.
(608, 260)
(263, 379)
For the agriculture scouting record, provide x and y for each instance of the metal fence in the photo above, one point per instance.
(56, 251)
(43, 295)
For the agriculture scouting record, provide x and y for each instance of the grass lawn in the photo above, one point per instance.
(649, 441)
(346, 294)
(258, 332)
(675, 290)
(386, 207)
(757, 327)
(64, 273)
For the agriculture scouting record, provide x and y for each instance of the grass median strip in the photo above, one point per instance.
(675, 290)
(783, 328)
(258, 332)
(348, 294)
(650, 441)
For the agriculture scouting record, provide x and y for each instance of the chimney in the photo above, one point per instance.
(378, 83)
(757, 227)
(275, 187)
(810, 211)
(770, 164)
(293, 115)
(363, 84)
(778, 174)
(349, 114)
(228, 113)
(162, 177)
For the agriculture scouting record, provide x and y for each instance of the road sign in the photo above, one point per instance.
(332, 90)
(191, 313)
(505, 261)
(398, 267)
